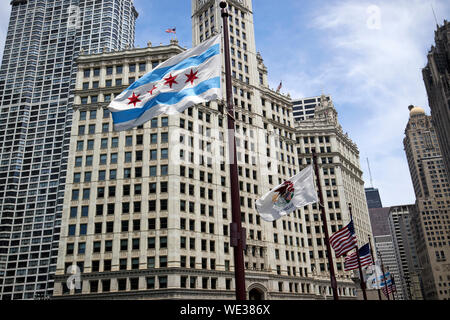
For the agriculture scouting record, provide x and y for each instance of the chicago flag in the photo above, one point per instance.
(189, 78)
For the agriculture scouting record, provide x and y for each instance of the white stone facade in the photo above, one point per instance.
(181, 245)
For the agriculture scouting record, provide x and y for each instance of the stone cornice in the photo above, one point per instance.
(275, 95)
(315, 128)
(134, 53)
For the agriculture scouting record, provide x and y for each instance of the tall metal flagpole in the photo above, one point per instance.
(371, 253)
(384, 277)
(361, 276)
(392, 283)
(237, 232)
(325, 227)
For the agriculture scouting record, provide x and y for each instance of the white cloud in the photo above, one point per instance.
(373, 74)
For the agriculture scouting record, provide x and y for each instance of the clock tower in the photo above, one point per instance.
(267, 154)
(207, 21)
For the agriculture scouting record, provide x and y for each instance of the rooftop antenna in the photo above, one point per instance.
(370, 173)
(434, 13)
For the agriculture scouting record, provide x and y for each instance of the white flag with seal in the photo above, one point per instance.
(189, 78)
(294, 193)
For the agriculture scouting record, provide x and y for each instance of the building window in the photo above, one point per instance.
(122, 264)
(83, 229)
(150, 282)
(163, 242)
(163, 222)
(152, 224)
(163, 261)
(122, 284)
(135, 244)
(97, 246)
(70, 248)
(108, 246)
(134, 282)
(151, 242)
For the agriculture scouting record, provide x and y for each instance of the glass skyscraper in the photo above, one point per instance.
(373, 198)
(37, 79)
(305, 108)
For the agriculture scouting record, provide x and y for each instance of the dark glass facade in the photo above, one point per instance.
(373, 198)
(37, 79)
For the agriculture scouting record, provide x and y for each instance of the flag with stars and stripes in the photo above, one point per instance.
(388, 288)
(351, 261)
(388, 284)
(189, 78)
(344, 240)
(280, 86)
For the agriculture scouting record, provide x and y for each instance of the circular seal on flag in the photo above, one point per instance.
(283, 195)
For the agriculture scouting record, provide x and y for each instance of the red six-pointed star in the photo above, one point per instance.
(191, 77)
(151, 91)
(134, 99)
(170, 80)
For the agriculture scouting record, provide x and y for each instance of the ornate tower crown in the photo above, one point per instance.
(325, 110)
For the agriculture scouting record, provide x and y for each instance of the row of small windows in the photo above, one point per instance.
(128, 157)
(81, 229)
(122, 284)
(150, 283)
(129, 142)
(152, 207)
(106, 115)
(127, 174)
(192, 282)
(124, 244)
(141, 67)
(136, 207)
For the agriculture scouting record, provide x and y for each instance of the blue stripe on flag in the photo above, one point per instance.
(167, 98)
(159, 73)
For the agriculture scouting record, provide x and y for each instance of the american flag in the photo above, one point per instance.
(280, 86)
(388, 289)
(351, 261)
(387, 284)
(172, 30)
(344, 240)
(393, 287)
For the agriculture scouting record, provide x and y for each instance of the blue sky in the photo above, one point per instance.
(367, 55)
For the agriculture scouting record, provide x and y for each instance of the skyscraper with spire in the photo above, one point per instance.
(373, 198)
(37, 78)
(430, 221)
(436, 76)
